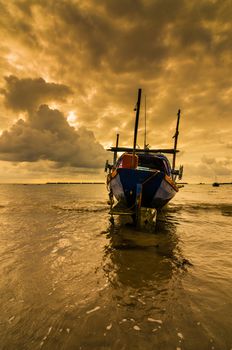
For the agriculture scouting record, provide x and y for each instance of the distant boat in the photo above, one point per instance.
(215, 184)
(141, 178)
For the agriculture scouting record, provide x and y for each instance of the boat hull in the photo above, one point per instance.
(156, 187)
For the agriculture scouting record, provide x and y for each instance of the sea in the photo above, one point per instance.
(70, 279)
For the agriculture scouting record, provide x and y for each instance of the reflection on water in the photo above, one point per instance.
(140, 259)
(71, 280)
(144, 271)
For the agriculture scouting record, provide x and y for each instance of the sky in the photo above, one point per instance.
(69, 77)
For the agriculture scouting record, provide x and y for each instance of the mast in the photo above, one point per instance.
(115, 152)
(175, 141)
(145, 123)
(136, 124)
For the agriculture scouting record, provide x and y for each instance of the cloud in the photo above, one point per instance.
(44, 171)
(46, 135)
(28, 93)
(218, 167)
(209, 168)
(179, 52)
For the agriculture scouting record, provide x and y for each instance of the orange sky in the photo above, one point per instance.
(69, 75)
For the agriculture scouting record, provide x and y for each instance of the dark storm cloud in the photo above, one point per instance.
(125, 36)
(18, 26)
(122, 37)
(125, 8)
(26, 94)
(135, 37)
(46, 135)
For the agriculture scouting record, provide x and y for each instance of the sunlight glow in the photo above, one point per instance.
(72, 119)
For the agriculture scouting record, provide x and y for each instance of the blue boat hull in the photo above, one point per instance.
(157, 189)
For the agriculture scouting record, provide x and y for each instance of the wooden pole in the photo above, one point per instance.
(175, 141)
(115, 152)
(145, 123)
(136, 125)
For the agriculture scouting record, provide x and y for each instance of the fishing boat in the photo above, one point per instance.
(141, 178)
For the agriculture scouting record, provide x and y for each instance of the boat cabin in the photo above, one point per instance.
(144, 161)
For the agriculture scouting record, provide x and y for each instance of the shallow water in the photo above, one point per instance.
(71, 280)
